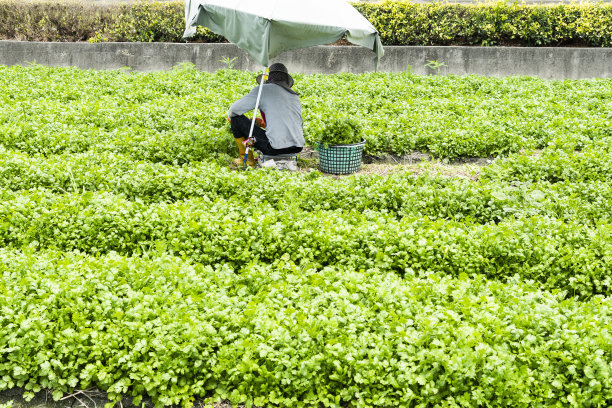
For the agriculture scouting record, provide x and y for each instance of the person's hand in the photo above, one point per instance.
(228, 119)
(260, 122)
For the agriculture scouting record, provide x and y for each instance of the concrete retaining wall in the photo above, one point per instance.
(548, 63)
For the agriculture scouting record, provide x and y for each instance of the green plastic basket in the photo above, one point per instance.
(340, 159)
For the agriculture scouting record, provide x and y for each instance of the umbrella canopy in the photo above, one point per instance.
(267, 28)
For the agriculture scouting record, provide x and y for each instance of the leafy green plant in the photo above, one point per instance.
(228, 62)
(337, 131)
(203, 230)
(594, 163)
(178, 116)
(133, 262)
(491, 200)
(435, 66)
(289, 335)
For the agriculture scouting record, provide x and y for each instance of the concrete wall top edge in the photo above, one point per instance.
(545, 62)
(350, 46)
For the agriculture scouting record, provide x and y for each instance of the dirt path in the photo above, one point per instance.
(416, 163)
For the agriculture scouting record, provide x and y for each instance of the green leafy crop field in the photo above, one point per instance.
(135, 261)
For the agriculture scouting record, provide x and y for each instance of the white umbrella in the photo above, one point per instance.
(267, 28)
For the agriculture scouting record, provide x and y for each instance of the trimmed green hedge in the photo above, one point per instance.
(400, 23)
(500, 23)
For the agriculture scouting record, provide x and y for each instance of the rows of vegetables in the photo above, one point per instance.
(135, 261)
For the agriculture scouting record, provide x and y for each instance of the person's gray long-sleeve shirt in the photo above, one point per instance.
(283, 113)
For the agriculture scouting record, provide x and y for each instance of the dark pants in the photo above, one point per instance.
(240, 128)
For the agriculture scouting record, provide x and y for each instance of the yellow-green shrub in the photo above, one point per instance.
(403, 23)
(77, 21)
(47, 21)
(154, 22)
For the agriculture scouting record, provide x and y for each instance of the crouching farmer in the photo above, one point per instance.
(281, 113)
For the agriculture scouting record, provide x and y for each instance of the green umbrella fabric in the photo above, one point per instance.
(267, 28)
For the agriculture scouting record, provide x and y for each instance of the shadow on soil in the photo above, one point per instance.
(91, 398)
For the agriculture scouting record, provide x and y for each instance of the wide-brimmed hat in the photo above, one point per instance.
(279, 75)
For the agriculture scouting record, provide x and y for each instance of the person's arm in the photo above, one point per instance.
(244, 104)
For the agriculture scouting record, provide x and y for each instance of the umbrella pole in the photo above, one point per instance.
(248, 142)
